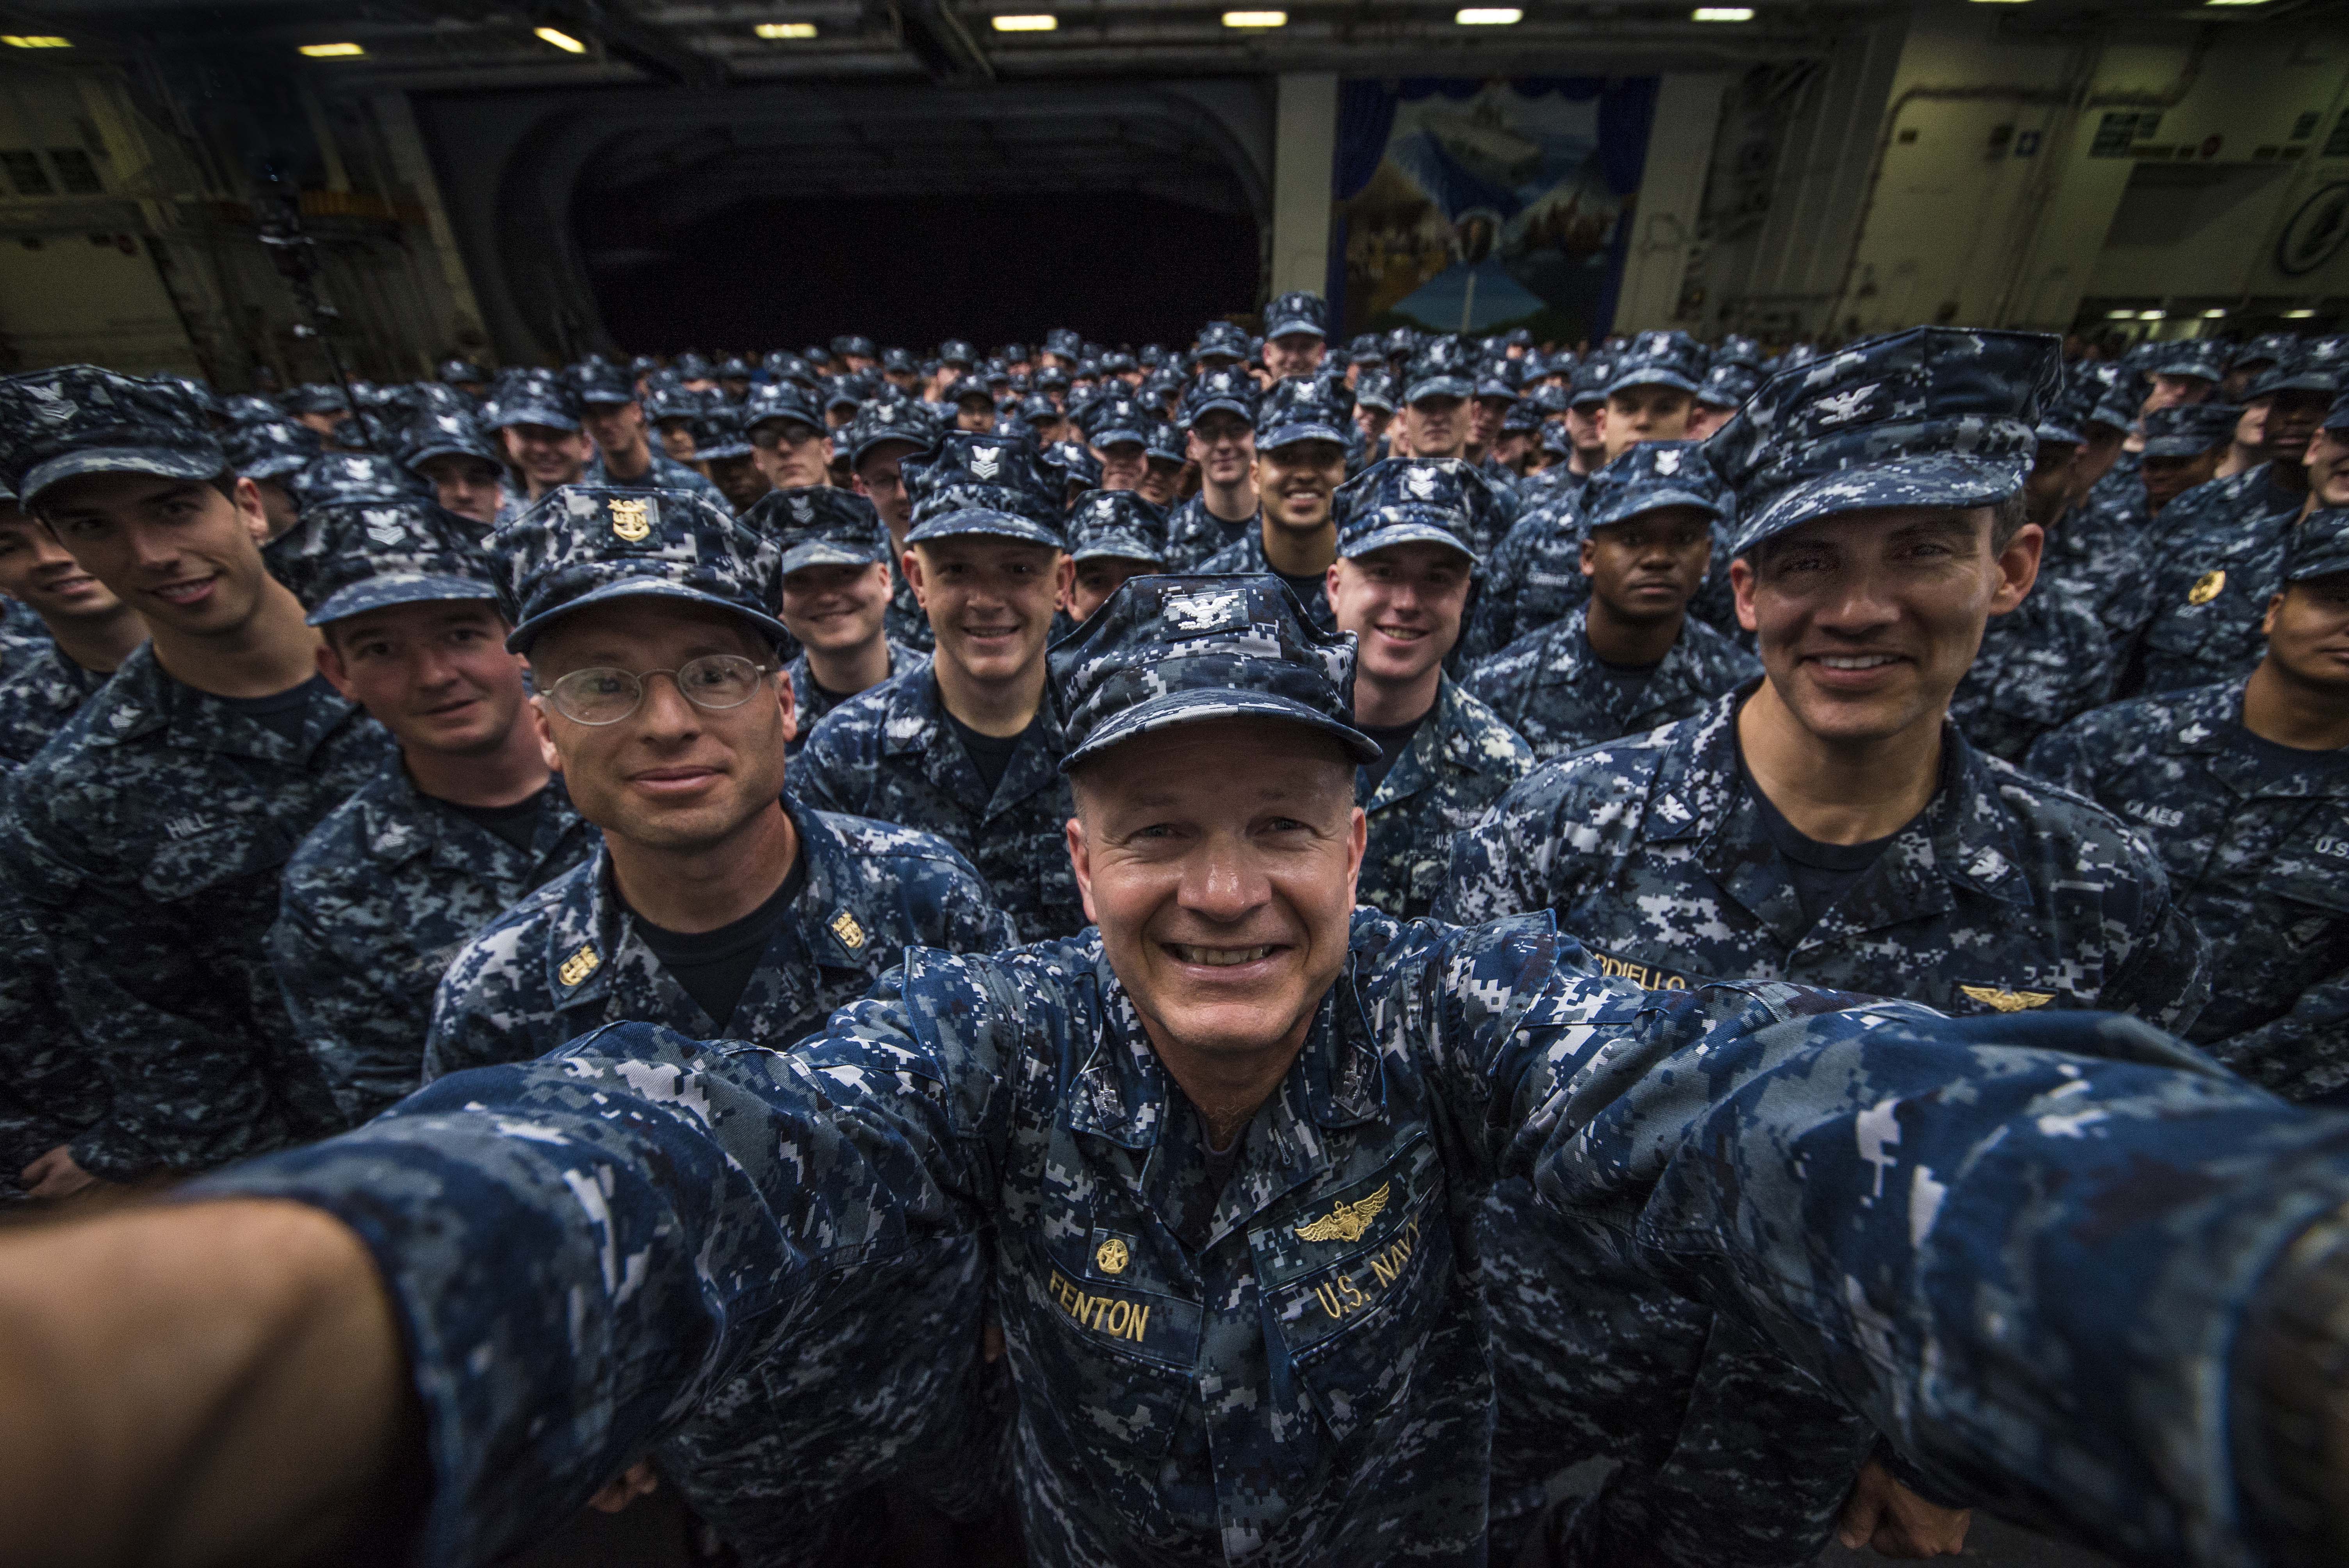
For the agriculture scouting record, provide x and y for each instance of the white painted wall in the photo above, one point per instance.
(1304, 144)
(1670, 202)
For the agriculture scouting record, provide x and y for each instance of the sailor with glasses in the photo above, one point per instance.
(716, 903)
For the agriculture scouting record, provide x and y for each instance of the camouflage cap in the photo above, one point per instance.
(2064, 415)
(354, 477)
(956, 352)
(1740, 350)
(76, 419)
(1445, 369)
(1112, 420)
(780, 401)
(250, 408)
(1588, 385)
(1497, 379)
(1299, 311)
(1524, 417)
(2205, 358)
(346, 558)
(1304, 411)
(851, 391)
(2310, 367)
(1050, 377)
(273, 450)
(1035, 407)
(533, 397)
(1416, 500)
(453, 371)
(1164, 442)
(2265, 350)
(972, 483)
(892, 420)
(599, 381)
(1660, 359)
(444, 434)
(786, 366)
(1555, 440)
(2320, 545)
(1728, 384)
(1119, 524)
(853, 344)
(1062, 341)
(2189, 430)
(717, 434)
(1375, 389)
(969, 388)
(315, 397)
(1233, 391)
(1168, 651)
(1118, 362)
(1933, 416)
(818, 525)
(1648, 477)
(590, 544)
(1075, 464)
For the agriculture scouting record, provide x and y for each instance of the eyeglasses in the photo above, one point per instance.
(603, 695)
(783, 432)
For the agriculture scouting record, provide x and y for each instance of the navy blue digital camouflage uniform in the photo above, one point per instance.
(2040, 666)
(40, 692)
(51, 1090)
(1651, 849)
(148, 836)
(1554, 691)
(1461, 757)
(1193, 532)
(583, 1249)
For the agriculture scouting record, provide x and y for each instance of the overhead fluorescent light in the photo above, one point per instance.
(2234, 2)
(331, 51)
(2212, 314)
(786, 29)
(2152, 315)
(1026, 24)
(36, 41)
(1490, 16)
(1722, 13)
(561, 40)
(2120, 315)
(1256, 19)
(2297, 315)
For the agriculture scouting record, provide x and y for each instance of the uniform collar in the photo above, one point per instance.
(397, 821)
(1453, 735)
(141, 699)
(1964, 838)
(913, 723)
(2207, 722)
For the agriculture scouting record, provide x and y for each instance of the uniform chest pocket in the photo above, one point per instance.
(2311, 909)
(1125, 1353)
(1353, 1328)
(197, 857)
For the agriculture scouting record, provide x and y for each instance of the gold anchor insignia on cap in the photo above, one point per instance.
(630, 521)
(844, 926)
(1347, 1221)
(1113, 1256)
(2206, 587)
(578, 966)
(2005, 1001)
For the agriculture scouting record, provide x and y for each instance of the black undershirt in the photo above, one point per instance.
(992, 753)
(1393, 739)
(517, 824)
(1306, 588)
(287, 712)
(715, 966)
(2277, 760)
(1821, 872)
(1630, 679)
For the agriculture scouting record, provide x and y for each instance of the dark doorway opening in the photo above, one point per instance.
(1118, 266)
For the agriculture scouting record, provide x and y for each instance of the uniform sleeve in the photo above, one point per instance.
(967, 916)
(471, 1028)
(583, 1247)
(822, 776)
(176, 1067)
(2165, 975)
(2303, 1054)
(2062, 757)
(358, 1023)
(2019, 1245)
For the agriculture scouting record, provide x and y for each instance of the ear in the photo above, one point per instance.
(1064, 578)
(1741, 582)
(1588, 557)
(1081, 862)
(910, 563)
(247, 500)
(1357, 843)
(2018, 568)
(791, 705)
(547, 751)
(2268, 621)
(330, 665)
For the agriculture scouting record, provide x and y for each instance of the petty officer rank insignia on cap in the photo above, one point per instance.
(632, 519)
(1347, 1221)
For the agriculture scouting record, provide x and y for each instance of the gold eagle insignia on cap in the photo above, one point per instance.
(844, 926)
(631, 520)
(2006, 1001)
(2206, 587)
(1347, 1221)
(578, 966)
(1112, 1256)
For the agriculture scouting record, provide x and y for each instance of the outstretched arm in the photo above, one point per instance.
(208, 1383)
